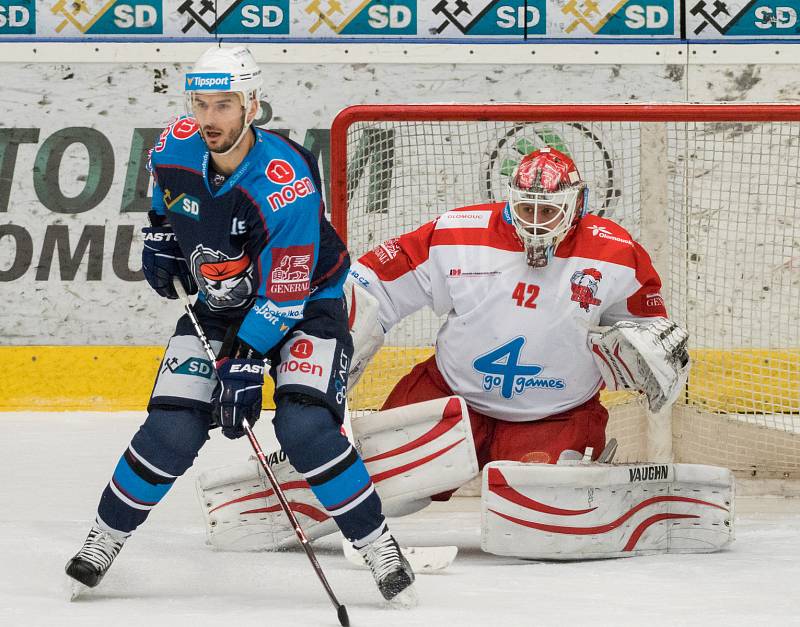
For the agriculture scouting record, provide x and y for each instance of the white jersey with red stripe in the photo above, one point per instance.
(514, 343)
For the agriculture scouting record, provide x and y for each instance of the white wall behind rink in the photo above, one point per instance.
(52, 295)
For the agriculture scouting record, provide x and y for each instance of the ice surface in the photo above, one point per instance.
(55, 466)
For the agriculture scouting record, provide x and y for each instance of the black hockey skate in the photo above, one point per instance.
(391, 570)
(95, 557)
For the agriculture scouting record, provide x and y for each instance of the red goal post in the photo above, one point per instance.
(709, 190)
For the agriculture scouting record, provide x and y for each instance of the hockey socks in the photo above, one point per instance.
(311, 439)
(163, 449)
(135, 488)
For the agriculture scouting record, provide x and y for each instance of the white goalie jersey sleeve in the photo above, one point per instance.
(405, 286)
(510, 326)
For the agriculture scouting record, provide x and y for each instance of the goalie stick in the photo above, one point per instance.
(341, 611)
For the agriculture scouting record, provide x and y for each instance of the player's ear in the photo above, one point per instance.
(253, 109)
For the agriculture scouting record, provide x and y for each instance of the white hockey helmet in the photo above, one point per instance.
(225, 70)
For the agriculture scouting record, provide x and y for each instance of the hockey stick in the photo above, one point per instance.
(341, 611)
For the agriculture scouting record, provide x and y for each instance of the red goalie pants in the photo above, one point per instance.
(538, 440)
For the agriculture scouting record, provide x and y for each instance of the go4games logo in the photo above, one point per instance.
(100, 17)
(501, 368)
(356, 17)
(236, 17)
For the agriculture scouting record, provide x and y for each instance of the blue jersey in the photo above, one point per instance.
(259, 246)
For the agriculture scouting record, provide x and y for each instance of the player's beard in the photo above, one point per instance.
(230, 138)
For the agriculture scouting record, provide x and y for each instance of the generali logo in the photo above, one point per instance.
(290, 278)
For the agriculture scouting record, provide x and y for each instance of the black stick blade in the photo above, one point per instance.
(344, 620)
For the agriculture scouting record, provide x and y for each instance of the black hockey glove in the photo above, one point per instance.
(238, 394)
(162, 260)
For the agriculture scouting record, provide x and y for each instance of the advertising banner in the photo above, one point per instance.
(742, 19)
(343, 20)
(467, 21)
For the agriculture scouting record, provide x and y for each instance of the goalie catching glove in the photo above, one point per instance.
(645, 357)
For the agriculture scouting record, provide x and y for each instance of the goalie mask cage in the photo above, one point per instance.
(709, 190)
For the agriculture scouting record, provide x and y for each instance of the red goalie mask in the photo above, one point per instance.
(546, 198)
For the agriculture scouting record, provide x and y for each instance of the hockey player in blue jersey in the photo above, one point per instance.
(238, 218)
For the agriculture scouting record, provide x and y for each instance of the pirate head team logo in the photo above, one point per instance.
(227, 282)
(584, 287)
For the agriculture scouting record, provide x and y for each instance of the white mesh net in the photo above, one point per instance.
(714, 202)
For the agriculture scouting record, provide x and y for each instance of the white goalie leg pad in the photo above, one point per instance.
(647, 357)
(367, 332)
(589, 511)
(242, 513)
(411, 452)
(415, 451)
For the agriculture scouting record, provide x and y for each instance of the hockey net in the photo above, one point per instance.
(709, 190)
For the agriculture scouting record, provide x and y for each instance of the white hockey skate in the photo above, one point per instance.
(391, 570)
(90, 564)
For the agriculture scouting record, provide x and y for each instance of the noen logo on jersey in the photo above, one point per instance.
(302, 349)
(298, 361)
(290, 278)
(208, 82)
(282, 173)
(184, 128)
(501, 368)
(585, 284)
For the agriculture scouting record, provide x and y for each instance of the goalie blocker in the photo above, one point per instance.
(411, 452)
(588, 511)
